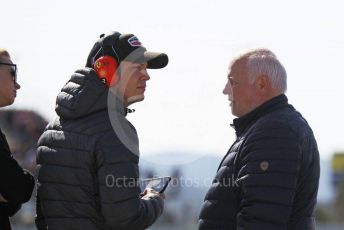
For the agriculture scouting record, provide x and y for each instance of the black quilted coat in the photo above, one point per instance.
(269, 178)
(88, 164)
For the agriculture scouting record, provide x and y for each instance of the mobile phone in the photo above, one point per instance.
(159, 184)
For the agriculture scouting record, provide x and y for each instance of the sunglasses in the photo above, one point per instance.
(13, 70)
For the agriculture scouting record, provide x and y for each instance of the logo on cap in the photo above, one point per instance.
(134, 41)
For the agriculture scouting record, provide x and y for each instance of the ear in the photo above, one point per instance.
(262, 82)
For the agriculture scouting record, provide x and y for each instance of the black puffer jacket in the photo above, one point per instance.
(87, 171)
(269, 177)
(16, 184)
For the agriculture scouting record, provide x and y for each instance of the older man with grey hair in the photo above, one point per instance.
(269, 178)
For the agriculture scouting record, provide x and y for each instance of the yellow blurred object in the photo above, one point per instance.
(338, 162)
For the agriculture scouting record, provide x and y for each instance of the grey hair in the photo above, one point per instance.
(262, 61)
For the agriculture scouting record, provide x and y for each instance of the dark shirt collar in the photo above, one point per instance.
(244, 122)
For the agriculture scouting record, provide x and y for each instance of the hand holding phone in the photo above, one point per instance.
(149, 192)
(158, 184)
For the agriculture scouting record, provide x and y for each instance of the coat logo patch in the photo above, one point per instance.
(264, 165)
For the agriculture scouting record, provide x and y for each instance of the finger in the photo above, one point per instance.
(145, 192)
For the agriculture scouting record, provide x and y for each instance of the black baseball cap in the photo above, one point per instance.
(125, 47)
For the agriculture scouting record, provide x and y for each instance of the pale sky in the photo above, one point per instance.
(185, 110)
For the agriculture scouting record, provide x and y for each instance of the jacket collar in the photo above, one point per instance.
(4, 141)
(116, 104)
(244, 122)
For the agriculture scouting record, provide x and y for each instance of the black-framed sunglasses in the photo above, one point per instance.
(13, 70)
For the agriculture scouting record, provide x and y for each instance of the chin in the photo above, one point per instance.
(234, 113)
(135, 99)
(4, 104)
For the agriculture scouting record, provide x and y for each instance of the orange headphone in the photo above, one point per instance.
(106, 69)
(106, 66)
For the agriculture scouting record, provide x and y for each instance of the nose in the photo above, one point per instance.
(146, 76)
(227, 89)
(17, 85)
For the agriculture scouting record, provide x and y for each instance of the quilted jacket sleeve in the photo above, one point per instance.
(16, 183)
(267, 178)
(119, 192)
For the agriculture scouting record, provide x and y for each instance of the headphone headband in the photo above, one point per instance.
(107, 46)
(107, 59)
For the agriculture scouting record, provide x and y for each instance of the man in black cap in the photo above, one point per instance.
(88, 157)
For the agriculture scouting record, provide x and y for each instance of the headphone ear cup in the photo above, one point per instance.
(106, 69)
